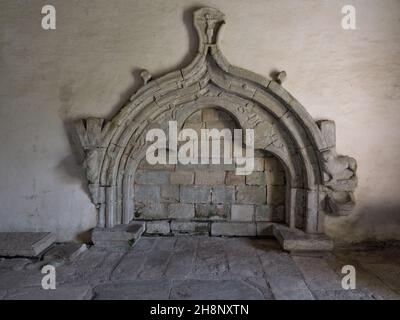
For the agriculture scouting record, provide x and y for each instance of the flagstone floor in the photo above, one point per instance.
(206, 268)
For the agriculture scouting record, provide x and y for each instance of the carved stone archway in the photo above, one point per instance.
(318, 180)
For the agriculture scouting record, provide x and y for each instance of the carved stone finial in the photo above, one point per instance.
(208, 22)
(280, 77)
(145, 75)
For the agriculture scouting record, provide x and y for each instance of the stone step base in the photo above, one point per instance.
(299, 241)
(290, 240)
(121, 236)
(25, 244)
(64, 251)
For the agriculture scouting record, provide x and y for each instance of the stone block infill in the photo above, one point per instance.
(181, 211)
(195, 194)
(242, 212)
(251, 195)
(182, 177)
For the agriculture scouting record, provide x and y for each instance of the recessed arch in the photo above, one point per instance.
(282, 127)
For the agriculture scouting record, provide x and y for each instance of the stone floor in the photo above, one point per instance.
(205, 268)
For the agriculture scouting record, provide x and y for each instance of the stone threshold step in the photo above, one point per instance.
(120, 236)
(25, 244)
(295, 240)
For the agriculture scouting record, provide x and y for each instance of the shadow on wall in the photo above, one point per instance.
(72, 165)
(371, 223)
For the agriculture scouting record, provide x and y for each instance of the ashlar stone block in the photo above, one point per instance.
(147, 193)
(170, 193)
(251, 195)
(181, 211)
(195, 194)
(242, 212)
(239, 229)
(152, 177)
(233, 180)
(223, 194)
(257, 178)
(210, 178)
(158, 227)
(212, 211)
(276, 195)
(182, 177)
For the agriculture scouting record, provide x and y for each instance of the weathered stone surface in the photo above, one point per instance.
(182, 260)
(341, 295)
(389, 273)
(232, 179)
(147, 193)
(269, 213)
(190, 227)
(263, 213)
(195, 194)
(181, 211)
(258, 164)
(92, 267)
(296, 240)
(242, 212)
(233, 229)
(152, 210)
(212, 211)
(182, 177)
(274, 172)
(60, 293)
(209, 115)
(276, 195)
(119, 236)
(169, 193)
(152, 177)
(158, 227)
(211, 260)
(264, 229)
(65, 251)
(223, 194)
(256, 179)
(214, 290)
(25, 244)
(202, 267)
(283, 276)
(144, 165)
(15, 264)
(209, 178)
(251, 195)
(134, 290)
(155, 265)
(317, 273)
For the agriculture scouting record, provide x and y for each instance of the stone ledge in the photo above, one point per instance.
(299, 241)
(118, 236)
(25, 244)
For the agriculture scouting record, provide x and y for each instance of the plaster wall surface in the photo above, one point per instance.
(90, 65)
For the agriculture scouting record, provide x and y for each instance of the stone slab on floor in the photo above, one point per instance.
(120, 236)
(83, 292)
(134, 290)
(202, 267)
(216, 290)
(25, 244)
(299, 241)
(65, 251)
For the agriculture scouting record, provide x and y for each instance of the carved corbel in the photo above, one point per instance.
(339, 174)
(90, 133)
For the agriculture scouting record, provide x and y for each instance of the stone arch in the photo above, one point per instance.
(317, 177)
